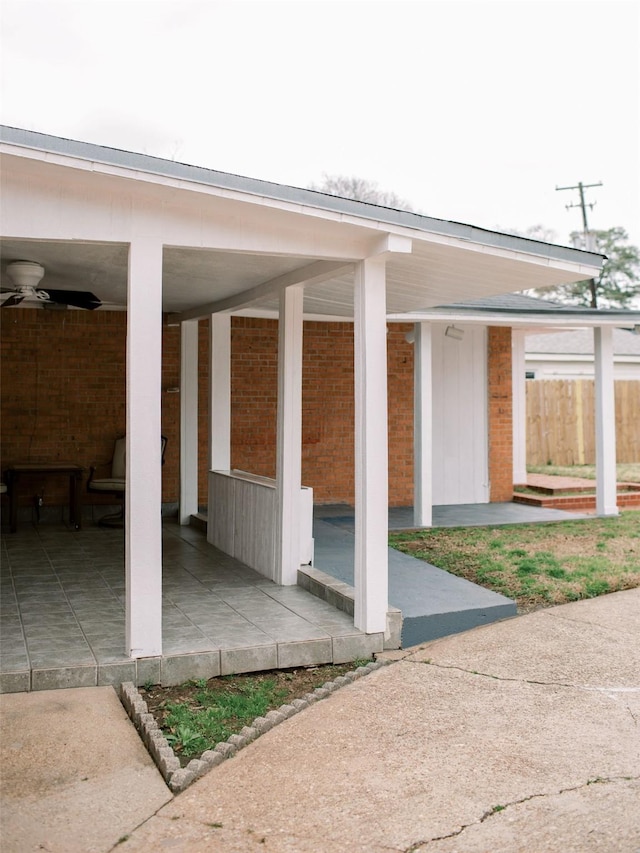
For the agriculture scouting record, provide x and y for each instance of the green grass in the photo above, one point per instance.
(197, 715)
(537, 565)
(214, 715)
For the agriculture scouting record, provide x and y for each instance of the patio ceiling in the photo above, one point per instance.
(192, 277)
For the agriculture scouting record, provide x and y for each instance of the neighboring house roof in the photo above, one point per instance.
(580, 342)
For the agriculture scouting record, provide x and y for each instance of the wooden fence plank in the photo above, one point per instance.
(561, 421)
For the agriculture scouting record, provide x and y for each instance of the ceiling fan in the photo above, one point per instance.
(26, 275)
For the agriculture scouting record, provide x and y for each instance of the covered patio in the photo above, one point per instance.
(63, 613)
(168, 245)
(62, 602)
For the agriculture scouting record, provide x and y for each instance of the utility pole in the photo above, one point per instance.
(587, 237)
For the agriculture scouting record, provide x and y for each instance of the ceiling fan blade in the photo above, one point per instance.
(15, 299)
(77, 298)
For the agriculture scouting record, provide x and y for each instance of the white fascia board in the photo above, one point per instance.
(369, 224)
(586, 357)
(158, 179)
(556, 356)
(568, 322)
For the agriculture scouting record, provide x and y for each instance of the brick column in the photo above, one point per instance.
(499, 385)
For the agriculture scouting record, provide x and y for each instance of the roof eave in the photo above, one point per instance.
(140, 165)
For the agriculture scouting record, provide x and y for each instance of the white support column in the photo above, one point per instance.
(422, 427)
(219, 392)
(289, 440)
(518, 382)
(188, 420)
(371, 451)
(143, 539)
(606, 485)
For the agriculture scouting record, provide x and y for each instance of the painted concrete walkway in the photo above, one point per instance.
(433, 602)
(515, 737)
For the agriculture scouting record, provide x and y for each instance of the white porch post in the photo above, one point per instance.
(219, 456)
(371, 454)
(188, 420)
(219, 392)
(289, 436)
(422, 427)
(518, 382)
(143, 540)
(606, 485)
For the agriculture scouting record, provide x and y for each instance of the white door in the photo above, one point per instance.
(460, 445)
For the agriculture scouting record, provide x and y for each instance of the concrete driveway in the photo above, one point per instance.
(522, 735)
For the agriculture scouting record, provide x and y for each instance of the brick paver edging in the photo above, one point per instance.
(178, 778)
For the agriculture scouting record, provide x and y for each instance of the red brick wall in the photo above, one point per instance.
(500, 414)
(63, 394)
(63, 398)
(327, 404)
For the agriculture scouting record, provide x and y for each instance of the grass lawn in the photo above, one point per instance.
(627, 472)
(537, 565)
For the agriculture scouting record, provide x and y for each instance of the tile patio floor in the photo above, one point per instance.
(62, 613)
(62, 603)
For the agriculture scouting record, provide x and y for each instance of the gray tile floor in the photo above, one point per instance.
(62, 610)
(62, 602)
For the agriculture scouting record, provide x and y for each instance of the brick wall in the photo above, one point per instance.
(327, 407)
(63, 398)
(63, 394)
(500, 413)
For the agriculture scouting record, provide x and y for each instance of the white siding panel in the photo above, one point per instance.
(460, 447)
(242, 519)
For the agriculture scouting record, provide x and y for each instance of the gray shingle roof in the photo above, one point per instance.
(518, 303)
(580, 342)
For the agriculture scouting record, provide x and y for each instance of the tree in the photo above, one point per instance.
(619, 282)
(359, 189)
(618, 285)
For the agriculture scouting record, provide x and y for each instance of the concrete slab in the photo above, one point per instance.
(74, 775)
(593, 634)
(417, 756)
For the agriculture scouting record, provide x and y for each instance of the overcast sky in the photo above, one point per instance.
(472, 111)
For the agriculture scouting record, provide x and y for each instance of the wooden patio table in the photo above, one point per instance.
(30, 469)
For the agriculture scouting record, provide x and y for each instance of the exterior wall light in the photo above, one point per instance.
(452, 332)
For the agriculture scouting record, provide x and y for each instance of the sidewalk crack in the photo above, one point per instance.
(598, 780)
(497, 677)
